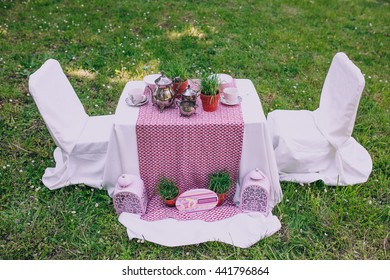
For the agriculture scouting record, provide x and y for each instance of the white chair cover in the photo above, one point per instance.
(311, 146)
(82, 140)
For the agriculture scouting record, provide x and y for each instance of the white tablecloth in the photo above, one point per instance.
(257, 152)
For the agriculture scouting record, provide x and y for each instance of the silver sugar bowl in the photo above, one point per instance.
(186, 107)
(189, 95)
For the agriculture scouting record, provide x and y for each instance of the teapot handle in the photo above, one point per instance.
(148, 88)
(176, 91)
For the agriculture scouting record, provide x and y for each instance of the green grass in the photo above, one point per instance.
(284, 47)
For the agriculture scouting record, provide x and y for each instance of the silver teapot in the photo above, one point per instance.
(189, 95)
(163, 96)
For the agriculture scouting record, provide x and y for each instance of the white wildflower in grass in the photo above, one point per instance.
(73, 212)
(325, 234)
(96, 204)
(38, 189)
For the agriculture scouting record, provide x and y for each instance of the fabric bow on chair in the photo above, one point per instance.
(311, 146)
(82, 140)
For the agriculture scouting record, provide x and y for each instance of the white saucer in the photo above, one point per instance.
(149, 79)
(225, 102)
(130, 103)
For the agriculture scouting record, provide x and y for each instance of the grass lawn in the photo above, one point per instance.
(284, 47)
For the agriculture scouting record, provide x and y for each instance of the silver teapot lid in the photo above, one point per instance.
(163, 80)
(188, 92)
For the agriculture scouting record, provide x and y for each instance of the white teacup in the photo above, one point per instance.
(225, 81)
(230, 94)
(136, 95)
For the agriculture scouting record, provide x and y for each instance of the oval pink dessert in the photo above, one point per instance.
(197, 200)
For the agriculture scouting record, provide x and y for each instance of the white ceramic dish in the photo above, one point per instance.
(225, 79)
(149, 79)
(225, 102)
(130, 103)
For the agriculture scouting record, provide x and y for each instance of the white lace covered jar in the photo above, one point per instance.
(130, 195)
(255, 192)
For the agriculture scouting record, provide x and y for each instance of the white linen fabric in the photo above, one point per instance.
(242, 230)
(311, 146)
(82, 140)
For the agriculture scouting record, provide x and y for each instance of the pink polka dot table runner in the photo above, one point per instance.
(186, 150)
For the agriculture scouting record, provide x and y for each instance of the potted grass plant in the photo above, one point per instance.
(179, 76)
(209, 93)
(168, 191)
(220, 182)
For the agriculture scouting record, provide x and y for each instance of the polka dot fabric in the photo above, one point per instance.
(186, 150)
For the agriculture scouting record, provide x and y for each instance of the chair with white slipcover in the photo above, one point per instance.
(81, 140)
(317, 145)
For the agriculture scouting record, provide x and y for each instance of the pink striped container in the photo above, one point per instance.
(196, 200)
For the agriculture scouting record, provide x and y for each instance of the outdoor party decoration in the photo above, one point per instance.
(318, 145)
(220, 182)
(187, 105)
(81, 140)
(209, 93)
(178, 73)
(255, 192)
(163, 95)
(168, 191)
(197, 200)
(186, 151)
(186, 108)
(130, 195)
